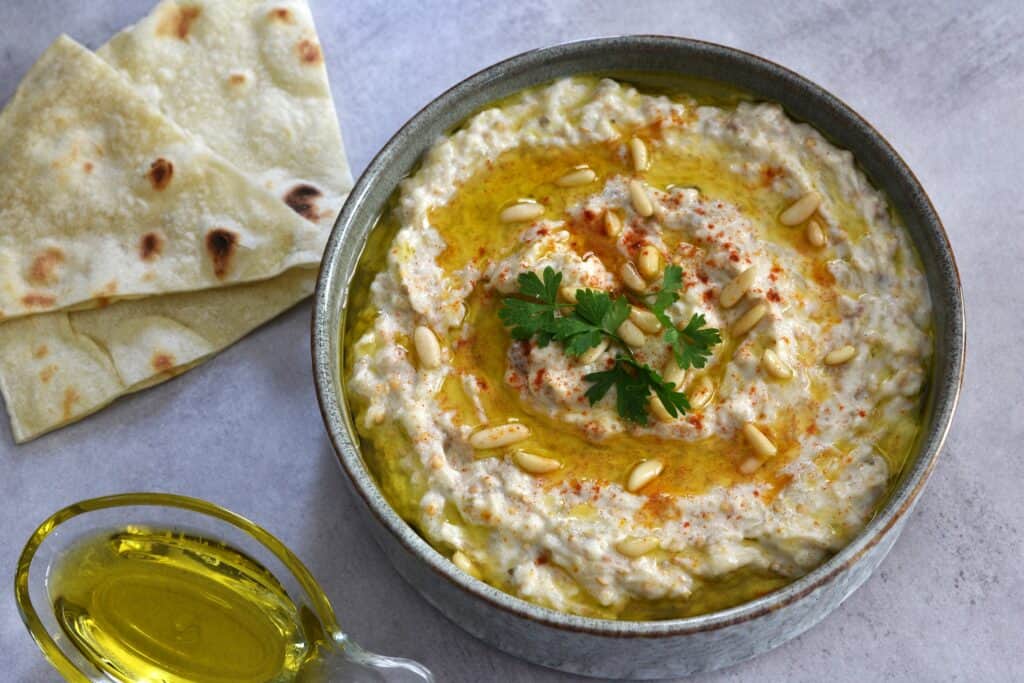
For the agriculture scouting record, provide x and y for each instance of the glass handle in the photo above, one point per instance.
(349, 663)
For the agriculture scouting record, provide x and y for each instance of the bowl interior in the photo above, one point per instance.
(803, 101)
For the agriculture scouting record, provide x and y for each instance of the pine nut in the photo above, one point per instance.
(700, 393)
(748, 320)
(612, 223)
(840, 355)
(640, 199)
(750, 465)
(638, 150)
(659, 410)
(649, 262)
(815, 234)
(580, 176)
(523, 211)
(631, 277)
(761, 444)
(636, 547)
(737, 287)
(593, 353)
(801, 209)
(568, 293)
(774, 365)
(428, 349)
(631, 334)
(499, 436)
(535, 464)
(673, 374)
(643, 474)
(462, 561)
(645, 320)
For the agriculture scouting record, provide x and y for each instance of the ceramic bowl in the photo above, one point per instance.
(631, 649)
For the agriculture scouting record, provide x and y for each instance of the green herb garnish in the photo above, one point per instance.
(537, 314)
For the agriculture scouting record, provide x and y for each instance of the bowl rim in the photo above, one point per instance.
(329, 294)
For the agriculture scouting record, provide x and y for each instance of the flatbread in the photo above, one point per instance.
(103, 197)
(248, 77)
(60, 367)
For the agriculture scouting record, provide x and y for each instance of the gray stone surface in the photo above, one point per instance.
(943, 81)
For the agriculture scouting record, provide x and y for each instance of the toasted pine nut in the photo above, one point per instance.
(612, 223)
(701, 392)
(523, 211)
(592, 354)
(815, 234)
(641, 201)
(568, 293)
(631, 278)
(462, 561)
(737, 287)
(673, 374)
(648, 261)
(840, 355)
(748, 320)
(577, 177)
(750, 465)
(774, 365)
(635, 547)
(761, 444)
(499, 436)
(631, 334)
(645, 320)
(428, 349)
(801, 209)
(535, 464)
(659, 410)
(643, 474)
(638, 150)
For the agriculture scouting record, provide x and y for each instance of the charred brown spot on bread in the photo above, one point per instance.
(160, 172)
(222, 245)
(236, 79)
(87, 167)
(40, 351)
(47, 373)
(309, 52)
(282, 14)
(35, 299)
(177, 21)
(302, 199)
(43, 270)
(70, 396)
(150, 246)
(162, 361)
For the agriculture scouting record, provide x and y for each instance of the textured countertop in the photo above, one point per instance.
(944, 82)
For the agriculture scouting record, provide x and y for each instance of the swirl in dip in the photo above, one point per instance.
(801, 418)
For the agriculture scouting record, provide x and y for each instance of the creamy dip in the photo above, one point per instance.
(802, 417)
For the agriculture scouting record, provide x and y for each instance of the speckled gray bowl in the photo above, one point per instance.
(654, 649)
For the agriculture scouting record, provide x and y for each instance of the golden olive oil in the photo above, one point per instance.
(148, 604)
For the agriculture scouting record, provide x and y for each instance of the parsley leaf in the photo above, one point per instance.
(633, 384)
(536, 314)
(692, 345)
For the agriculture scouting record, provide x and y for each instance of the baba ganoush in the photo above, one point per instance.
(490, 441)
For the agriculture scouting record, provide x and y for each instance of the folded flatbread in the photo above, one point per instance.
(248, 77)
(57, 368)
(103, 197)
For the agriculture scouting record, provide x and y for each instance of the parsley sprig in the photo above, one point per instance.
(537, 314)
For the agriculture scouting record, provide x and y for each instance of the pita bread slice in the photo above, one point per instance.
(248, 77)
(104, 197)
(60, 367)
